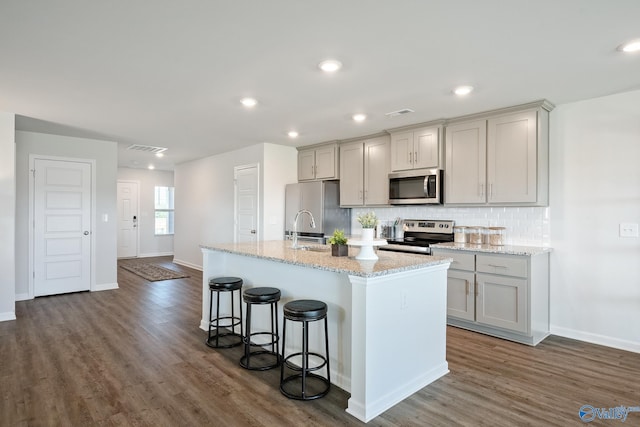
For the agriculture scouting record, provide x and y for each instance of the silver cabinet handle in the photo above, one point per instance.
(497, 266)
(253, 231)
(86, 233)
(410, 157)
(482, 189)
(415, 157)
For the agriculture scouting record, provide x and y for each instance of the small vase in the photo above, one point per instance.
(339, 250)
(367, 234)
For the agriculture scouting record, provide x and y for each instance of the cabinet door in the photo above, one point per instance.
(306, 165)
(325, 166)
(402, 151)
(376, 170)
(511, 158)
(466, 147)
(351, 174)
(426, 153)
(461, 294)
(502, 302)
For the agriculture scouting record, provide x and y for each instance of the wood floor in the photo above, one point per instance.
(135, 356)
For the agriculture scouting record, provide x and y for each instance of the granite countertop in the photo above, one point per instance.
(320, 258)
(506, 249)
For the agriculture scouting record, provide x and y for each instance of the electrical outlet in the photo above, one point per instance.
(628, 229)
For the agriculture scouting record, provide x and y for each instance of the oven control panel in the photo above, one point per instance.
(428, 226)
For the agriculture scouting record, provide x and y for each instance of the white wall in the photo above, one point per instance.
(595, 185)
(204, 202)
(205, 197)
(7, 216)
(281, 168)
(150, 244)
(105, 154)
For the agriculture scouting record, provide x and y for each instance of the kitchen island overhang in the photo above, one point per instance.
(387, 319)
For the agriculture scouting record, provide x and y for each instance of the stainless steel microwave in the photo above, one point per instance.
(417, 187)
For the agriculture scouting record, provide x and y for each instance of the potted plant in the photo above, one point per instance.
(338, 243)
(368, 221)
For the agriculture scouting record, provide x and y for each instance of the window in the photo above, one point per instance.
(164, 210)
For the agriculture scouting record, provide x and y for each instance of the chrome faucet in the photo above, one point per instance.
(295, 226)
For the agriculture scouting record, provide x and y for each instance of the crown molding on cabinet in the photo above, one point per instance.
(318, 145)
(543, 103)
(432, 123)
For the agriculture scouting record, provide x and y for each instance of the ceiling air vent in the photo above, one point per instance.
(399, 112)
(146, 148)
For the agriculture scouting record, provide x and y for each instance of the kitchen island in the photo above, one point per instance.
(387, 318)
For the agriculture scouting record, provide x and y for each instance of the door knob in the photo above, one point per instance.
(86, 233)
(253, 231)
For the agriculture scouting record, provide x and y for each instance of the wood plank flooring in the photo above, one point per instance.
(135, 356)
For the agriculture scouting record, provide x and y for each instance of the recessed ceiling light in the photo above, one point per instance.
(632, 46)
(151, 167)
(248, 102)
(359, 117)
(330, 65)
(292, 134)
(160, 155)
(463, 90)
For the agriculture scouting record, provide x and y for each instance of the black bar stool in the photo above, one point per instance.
(250, 360)
(218, 285)
(304, 384)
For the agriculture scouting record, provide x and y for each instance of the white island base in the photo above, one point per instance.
(387, 324)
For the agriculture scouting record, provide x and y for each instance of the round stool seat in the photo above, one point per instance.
(304, 383)
(305, 309)
(264, 295)
(225, 283)
(222, 328)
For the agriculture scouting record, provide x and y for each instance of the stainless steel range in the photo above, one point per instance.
(419, 235)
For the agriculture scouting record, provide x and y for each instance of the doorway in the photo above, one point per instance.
(246, 193)
(128, 218)
(61, 212)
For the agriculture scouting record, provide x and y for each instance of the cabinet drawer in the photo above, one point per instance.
(462, 261)
(503, 265)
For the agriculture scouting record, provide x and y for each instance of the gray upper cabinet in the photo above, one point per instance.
(499, 159)
(416, 149)
(364, 166)
(466, 163)
(320, 162)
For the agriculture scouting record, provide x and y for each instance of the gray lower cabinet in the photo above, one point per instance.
(499, 294)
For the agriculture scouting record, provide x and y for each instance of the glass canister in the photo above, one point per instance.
(497, 236)
(475, 236)
(460, 234)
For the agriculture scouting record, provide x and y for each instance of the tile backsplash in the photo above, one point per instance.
(527, 226)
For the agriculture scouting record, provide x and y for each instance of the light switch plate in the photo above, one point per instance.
(628, 229)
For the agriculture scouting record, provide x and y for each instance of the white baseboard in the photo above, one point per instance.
(22, 297)
(596, 339)
(149, 255)
(187, 264)
(9, 315)
(105, 287)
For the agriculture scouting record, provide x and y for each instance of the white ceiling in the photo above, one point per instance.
(170, 73)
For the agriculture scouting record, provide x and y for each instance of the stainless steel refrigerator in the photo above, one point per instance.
(322, 199)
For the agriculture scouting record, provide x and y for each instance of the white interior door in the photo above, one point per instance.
(246, 203)
(128, 217)
(62, 227)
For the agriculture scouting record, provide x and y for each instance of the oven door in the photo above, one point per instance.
(412, 188)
